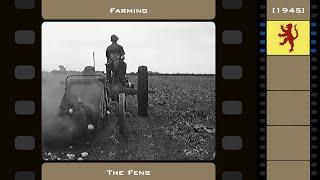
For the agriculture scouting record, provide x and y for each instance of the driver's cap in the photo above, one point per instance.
(114, 38)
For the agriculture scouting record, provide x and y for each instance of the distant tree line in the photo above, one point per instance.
(63, 70)
(150, 73)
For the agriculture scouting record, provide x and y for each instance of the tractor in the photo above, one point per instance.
(91, 100)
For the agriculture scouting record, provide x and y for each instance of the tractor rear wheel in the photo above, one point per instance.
(143, 91)
(122, 114)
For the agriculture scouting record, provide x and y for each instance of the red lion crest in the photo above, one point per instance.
(288, 36)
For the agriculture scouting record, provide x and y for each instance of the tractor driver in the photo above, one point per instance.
(115, 63)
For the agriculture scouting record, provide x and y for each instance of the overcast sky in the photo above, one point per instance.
(166, 47)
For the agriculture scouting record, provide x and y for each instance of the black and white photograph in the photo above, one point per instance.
(128, 91)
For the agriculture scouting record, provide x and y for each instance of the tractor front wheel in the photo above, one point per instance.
(122, 114)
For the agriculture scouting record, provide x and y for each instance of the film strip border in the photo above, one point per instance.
(236, 90)
(262, 91)
(314, 90)
(25, 95)
(236, 73)
(278, 168)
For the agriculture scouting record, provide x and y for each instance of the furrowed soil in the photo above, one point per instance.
(180, 125)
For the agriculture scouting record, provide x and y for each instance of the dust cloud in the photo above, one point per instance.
(85, 103)
(53, 127)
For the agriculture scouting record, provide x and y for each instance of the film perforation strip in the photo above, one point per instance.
(24, 68)
(233, 110)
(314, 91)
(261, 103)
(281, 160)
